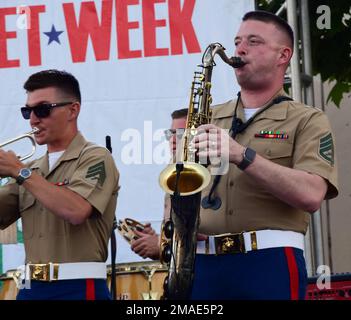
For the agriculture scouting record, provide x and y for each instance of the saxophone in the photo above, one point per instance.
(184, 181)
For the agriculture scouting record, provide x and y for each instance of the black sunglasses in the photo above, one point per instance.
(170, 132)
(41, 110)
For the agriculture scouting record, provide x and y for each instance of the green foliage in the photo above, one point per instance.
(331, 48)
(337, 92)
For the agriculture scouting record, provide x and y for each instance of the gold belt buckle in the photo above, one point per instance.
(230, 243)
(42, 271)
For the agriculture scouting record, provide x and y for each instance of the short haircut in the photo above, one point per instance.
(269, 17)
(181, 113)
(62, 80)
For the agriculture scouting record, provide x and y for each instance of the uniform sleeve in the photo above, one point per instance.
(96, 178)
(315, 151)
(9, 207)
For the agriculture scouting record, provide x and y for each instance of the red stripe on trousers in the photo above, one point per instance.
(90, 289)
(293, 273)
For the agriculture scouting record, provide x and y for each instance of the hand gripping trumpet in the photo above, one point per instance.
(29, 136)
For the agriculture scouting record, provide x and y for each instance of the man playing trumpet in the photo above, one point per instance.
(66, 199)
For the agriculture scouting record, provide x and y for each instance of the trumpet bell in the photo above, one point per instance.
(192, 179)
(29, 136)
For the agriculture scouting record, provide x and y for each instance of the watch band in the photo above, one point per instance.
(248, 157)
(20, 180)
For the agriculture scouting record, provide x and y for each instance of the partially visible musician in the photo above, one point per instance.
(66, 199)
(148, 244)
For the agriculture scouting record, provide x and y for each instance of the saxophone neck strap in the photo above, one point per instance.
(238, 126)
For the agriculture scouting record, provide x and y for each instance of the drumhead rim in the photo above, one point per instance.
(137, 267)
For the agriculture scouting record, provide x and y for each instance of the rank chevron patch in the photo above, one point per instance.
(97, 172)
(326, 148)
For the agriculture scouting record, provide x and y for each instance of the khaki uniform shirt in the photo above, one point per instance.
(246, 206)
(86, 169)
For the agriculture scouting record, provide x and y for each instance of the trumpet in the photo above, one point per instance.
(29, 136)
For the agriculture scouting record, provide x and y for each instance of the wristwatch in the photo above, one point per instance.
(248, 157)
(23, 175)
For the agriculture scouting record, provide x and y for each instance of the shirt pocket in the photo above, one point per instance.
(278, 151)
(27, 211)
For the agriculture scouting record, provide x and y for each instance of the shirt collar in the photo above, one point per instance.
(72, 152)
(275, 112)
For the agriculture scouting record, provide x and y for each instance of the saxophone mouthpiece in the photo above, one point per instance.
(237, 62)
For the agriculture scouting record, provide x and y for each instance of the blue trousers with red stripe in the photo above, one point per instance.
(267, 274)
(80, 289)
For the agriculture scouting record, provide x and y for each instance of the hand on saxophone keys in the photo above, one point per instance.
(208, 142)
(215, 145)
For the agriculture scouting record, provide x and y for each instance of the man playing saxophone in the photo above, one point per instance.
(66, 199)
(282, 166)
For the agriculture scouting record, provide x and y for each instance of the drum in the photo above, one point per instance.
(139, 280)
(8, 288)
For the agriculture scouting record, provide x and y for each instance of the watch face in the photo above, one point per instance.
(250, 154)
(25, 173)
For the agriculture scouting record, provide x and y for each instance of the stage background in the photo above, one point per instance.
(135, 62)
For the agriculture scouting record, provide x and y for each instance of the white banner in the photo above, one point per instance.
(134, 60)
